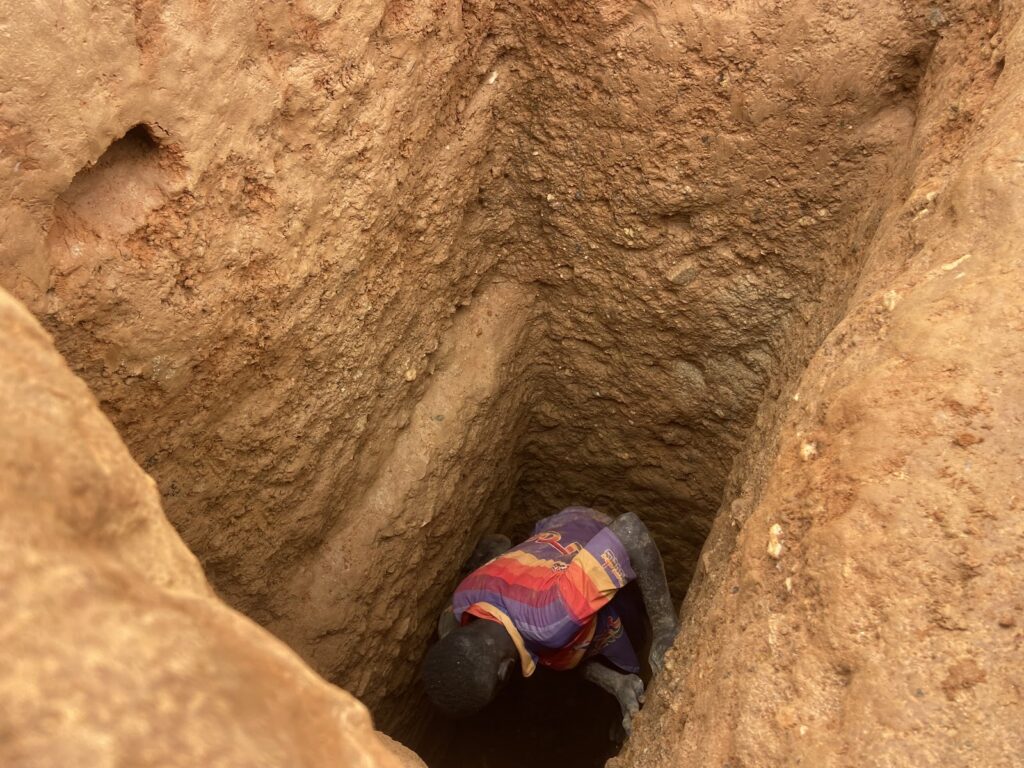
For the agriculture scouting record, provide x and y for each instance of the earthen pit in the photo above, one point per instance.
(661, 255)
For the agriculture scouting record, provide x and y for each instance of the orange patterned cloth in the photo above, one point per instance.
(553, 593)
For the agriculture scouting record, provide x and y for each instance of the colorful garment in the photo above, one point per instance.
(553, 593)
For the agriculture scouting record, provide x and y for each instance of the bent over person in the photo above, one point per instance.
(557, 600)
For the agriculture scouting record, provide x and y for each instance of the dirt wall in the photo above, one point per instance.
(114, 649)
(257, 279)
(858, 601)
(696, 188)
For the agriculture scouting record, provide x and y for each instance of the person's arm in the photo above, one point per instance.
(627, 689)
(650, 575)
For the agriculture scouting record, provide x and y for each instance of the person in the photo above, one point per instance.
(559, 599)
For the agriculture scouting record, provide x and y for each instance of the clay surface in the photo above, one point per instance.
(113, 648)
(860, 600)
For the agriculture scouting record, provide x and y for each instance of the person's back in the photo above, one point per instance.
(553, 591)
(558, 600)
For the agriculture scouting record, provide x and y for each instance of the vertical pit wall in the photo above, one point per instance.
(697, 188)
(856, 601)
(406, 274)
(261, 337)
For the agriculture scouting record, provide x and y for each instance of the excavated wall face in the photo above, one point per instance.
(391, 275)
(697, 186)
(856, 603)
(262, 322)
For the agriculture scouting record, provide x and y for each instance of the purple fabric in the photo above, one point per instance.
(535, 599)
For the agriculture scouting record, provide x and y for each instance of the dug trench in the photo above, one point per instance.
(579, 256)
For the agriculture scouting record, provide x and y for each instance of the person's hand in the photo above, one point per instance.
(629, 690)
(662, 642)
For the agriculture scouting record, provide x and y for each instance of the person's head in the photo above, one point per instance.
(466, 668)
